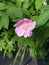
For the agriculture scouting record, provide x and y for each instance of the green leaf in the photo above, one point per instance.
(26, 12)
(34, 18)
(28, 41)
(15, 19)
(32, 52)
(32, 1)
(2, 6)
(1, 13)
(21, 42)
(9, 54)
(9, 46)
(47, 24)
(42, 54)
(14, 12)
(12, 0)
(1, 25)
(45, 7)
(42, 18)
(5, 20)
(18, 3)
(2, 44)
(1, 48)
(39, 36)
(38, 4)
(26, 4)
(9, 4)
(46, 33)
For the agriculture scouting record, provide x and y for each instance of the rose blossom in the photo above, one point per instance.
(25, 27)
(45, 2)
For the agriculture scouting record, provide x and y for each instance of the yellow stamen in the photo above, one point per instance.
(25, 26)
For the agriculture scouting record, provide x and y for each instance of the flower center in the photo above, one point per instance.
(25, 26)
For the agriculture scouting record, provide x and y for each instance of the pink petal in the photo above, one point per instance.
(18, 23)
(32, 25)
(45, 2)
(19, 31)
(27, 20)
(23, 21)
(28, 34)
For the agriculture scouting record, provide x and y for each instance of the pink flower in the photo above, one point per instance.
(25, 27)
(45, 2)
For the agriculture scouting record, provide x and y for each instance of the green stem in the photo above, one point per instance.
(16, 56)
(23, 55)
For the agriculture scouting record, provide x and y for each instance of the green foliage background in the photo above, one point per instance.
(11, 11)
